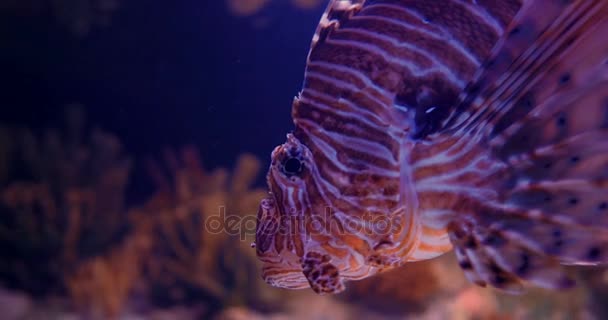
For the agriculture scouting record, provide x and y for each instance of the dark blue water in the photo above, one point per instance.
(163, 74)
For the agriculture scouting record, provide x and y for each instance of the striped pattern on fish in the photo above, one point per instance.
(390, 39)
(405, 142)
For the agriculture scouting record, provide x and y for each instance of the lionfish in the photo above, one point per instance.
(426, 126)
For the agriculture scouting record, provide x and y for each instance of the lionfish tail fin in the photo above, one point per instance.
(541, 106)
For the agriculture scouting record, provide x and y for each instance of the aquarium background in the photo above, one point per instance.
(127, 126)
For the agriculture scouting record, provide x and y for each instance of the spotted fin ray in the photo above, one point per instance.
(540, 105)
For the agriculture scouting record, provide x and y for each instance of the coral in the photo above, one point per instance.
(65, 203)
(31, 238)
(101, 286)
(204, 223)
(385, 292)
(14, 305)
(305, 305)
(408, 291)
(66, 230)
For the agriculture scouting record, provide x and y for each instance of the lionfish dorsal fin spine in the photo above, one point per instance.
(538, 108)
(530, 61)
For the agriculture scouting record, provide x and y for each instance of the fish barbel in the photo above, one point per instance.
(426, 126)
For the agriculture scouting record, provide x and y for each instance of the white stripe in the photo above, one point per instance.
(354, 72)
(358, 112)
(410, 67)
(483, 15)
(363, 145)
(343, 85)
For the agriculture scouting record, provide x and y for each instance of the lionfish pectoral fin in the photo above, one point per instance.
(490, 257)
(541, 107)
(322, 275)
(551, 51)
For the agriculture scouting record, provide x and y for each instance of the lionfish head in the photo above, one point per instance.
(279, 242)
(306, 236)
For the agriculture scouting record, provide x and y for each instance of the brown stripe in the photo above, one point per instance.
(440, 49)
(461, 23)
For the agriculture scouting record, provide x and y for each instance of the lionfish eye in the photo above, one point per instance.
(292, 166)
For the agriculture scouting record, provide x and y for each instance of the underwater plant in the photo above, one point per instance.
(62, 201)
(407, 290)
(102, 286)
(203, 224)
(66, 231)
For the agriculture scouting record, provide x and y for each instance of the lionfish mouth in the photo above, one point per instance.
(267, 225)
(274, 271)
